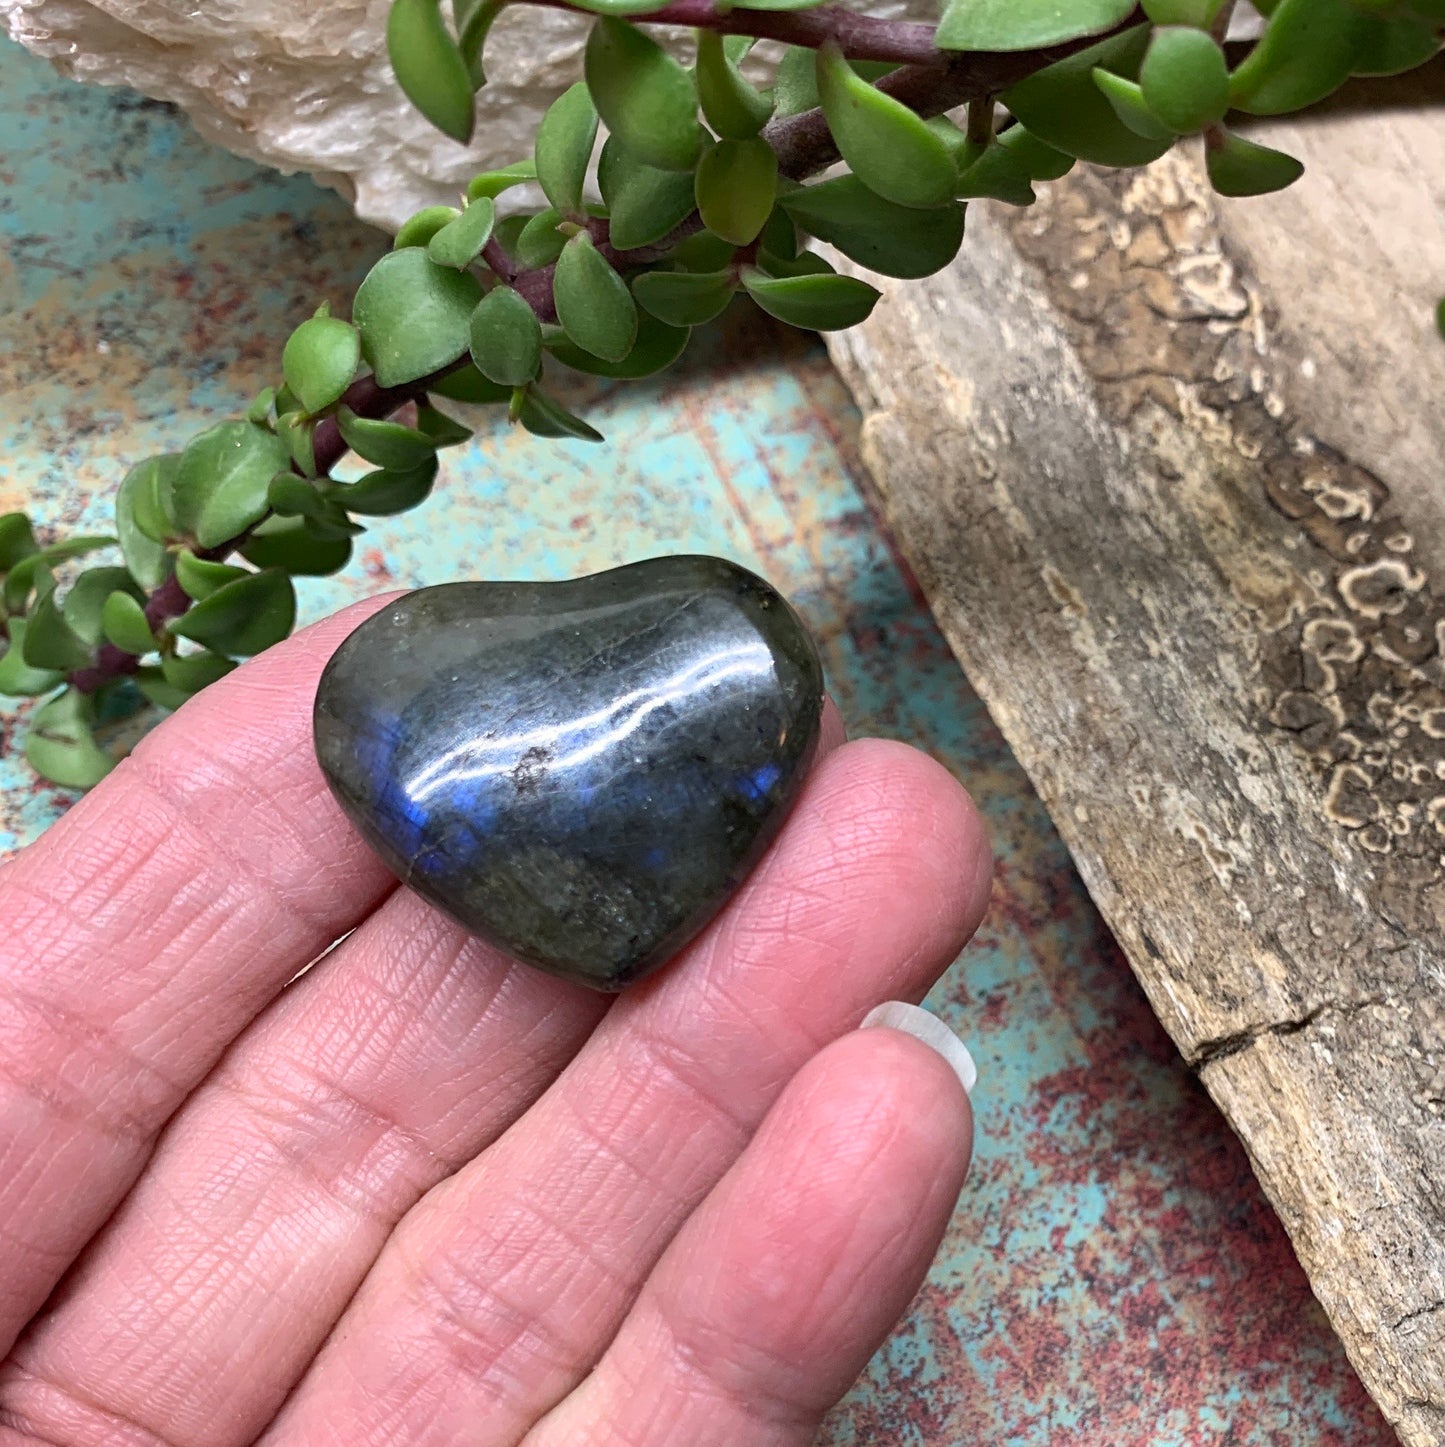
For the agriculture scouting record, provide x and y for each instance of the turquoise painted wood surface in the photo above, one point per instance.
(1112, 1275)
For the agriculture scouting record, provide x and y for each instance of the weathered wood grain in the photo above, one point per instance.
(1169, 471)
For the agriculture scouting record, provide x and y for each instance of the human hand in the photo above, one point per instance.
(425, 1195)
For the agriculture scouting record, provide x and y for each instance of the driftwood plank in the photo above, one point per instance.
(1169, 471)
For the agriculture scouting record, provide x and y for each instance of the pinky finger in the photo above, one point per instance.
(785, 1281)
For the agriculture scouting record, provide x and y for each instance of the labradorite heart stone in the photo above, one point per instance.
(580, 772)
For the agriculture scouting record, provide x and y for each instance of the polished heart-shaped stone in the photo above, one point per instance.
(580, 772)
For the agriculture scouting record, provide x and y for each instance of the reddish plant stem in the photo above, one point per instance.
(859, 37)
(929, 82)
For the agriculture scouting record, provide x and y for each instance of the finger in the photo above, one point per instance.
(500, 1291)
(144, 930)
(398, 1058)
(790, 1275)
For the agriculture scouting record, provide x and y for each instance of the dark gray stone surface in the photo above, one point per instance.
(580, 772)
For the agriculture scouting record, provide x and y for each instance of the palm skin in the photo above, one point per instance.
(421, 1194)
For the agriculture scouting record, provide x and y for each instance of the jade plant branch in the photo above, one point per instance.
(930, 82)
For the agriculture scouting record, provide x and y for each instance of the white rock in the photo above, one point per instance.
(304, 85)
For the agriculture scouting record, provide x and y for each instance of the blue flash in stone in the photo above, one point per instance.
(581, 772)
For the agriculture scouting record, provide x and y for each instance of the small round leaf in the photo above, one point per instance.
(736, 186)
(60, 744)
(287, 543)
(506, 338)
(460, 241)
(889, 148)
(221, 480)
(564, 147)
(19, 679)
(387, 444)
(593, 303)
(123, 622)
(1238, 167)
(200, 577)
(413, 315)
(734, 108)
(244, 617)
(684, 298)
(644, 203)
(647, 100)
(1185, 79)
(1004, 25)
(319, 360)
(820, 303)
(418, 230)
(430, 67)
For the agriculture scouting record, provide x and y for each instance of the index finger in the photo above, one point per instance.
(142, 932)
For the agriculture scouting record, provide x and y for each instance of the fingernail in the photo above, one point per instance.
(922, 1025)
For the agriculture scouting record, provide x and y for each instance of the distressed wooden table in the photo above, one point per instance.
(1113, 1275)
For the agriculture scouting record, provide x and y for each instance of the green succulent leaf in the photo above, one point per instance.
(1199, 13)
(319, 360)
(84, 605)
(703, 252)
(1185, 79)
(805, 263)
(895, 240)
(733, 107)
(684, 298)
(1238, 167)
(418, 230)
(890, 149)
(466, 384)
(795, 86)
(736, 186)
(220, 483)
(140, 520)
(51, 642)
(444, 431)
(1063, 107)
(388, 491)
(1042, 162)
(200, 577)
(644, 203)
(564, 147)
(1003, 25)
(1000, 175)
(286, 543)
(262, 406)
(29, 575)
(19, 679)
(645, 98)
(191, 672)
(293, 496)
(593, 303)
(413, 315)
(430, 67)
(298, 432)
(244, 617)
(152, 683)
(458, 244)
(60, 743)
(658, 346)
(387, 444)
(1393, 46)
(1127, 98)
(17, 540)
(506, 338)
(1307, 51)
(123, 623)
(544, 416)
(474, 22)
(491, 184)
(540, 243)
(820, 303)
